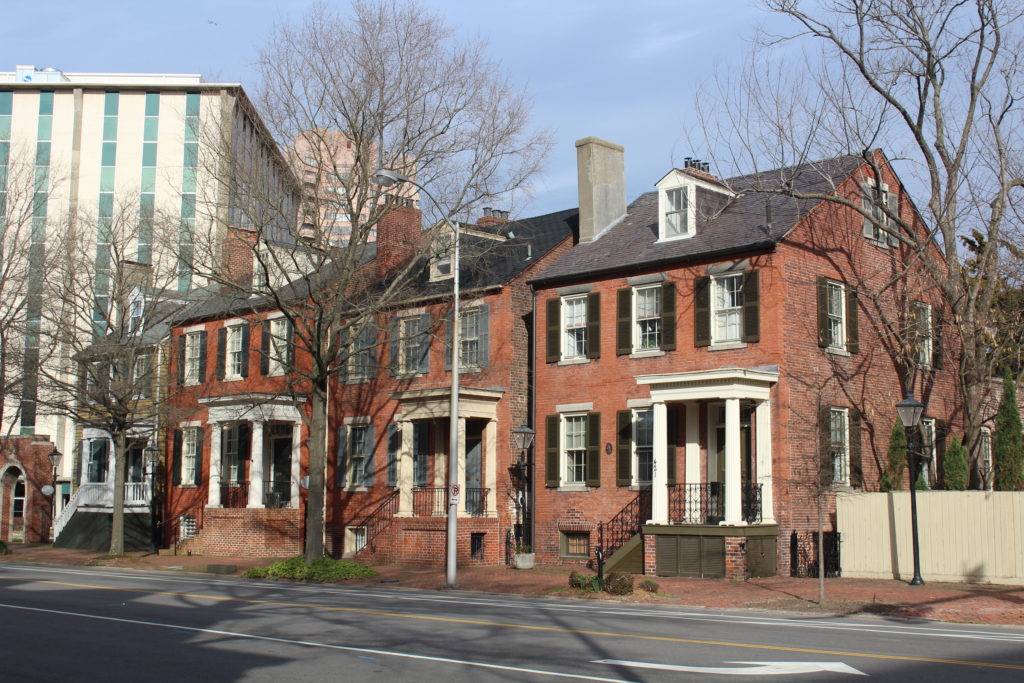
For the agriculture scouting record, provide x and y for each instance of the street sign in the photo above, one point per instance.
(748, 668)
(47, 490)
(453, 494)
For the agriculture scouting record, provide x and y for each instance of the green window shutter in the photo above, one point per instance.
(394, 444)
(823, 340)
(552, 440)
(202, 357)
(594, 325)
(245, 349)
(290, 346)
(624, 321)
(856, 465)
(484, 358)
(826, 471)
(340, 459)
(751, 307)
(393, 344)
(222, 351)
(423, 365)
(181, 360)
(369, 447)
(593, 449)
(624, 450)
(668, 316)
(702, 311)
(673, 442)
(553, 322)
(852, 321)
(936, 340)
(176, 454)
(201, 445)
(265, 347)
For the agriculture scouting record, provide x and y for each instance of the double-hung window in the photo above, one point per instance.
(189, 453)
(676, 218)
(643, 445)
(140, 374)
(469, 337)
(409, 351)
(923, 342)
(836, 314)
(233, 359)
(135, 313)
(839, 438)
(874, 202)
(574, 327)
(647, 317)
(278, 345)
(928, 451)
(99, 450)
(357, 447)
(728, 308)
(231, 463)
(192, 354)
(575, 449)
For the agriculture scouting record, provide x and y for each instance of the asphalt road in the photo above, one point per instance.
(67, 624)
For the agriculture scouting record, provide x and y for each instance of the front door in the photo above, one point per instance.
(99, 450)
(717, 485)
(278, 493)
(18, 512)
(474, 459)
(136, 472)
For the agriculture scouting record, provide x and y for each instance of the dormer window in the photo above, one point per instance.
(441, 262)
(676, 220)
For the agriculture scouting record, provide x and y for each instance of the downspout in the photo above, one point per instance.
(531, 412)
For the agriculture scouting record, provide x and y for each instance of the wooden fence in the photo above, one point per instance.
(964, 535)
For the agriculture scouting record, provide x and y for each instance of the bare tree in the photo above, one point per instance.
(113, 316)
(935, 83)
(381, 85)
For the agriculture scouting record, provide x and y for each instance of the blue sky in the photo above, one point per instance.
(624, 71)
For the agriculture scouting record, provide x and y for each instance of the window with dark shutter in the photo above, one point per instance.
(553, 323)
(200, 447)
(702, 311)
(624, 321)
(552, 424)
(265, 347)
(852, 321)
(668, 316)
(751, 307)
(202, 356)
(222, 351)
(181, 359)
(176, 454)
(593, 449)
(856, 466)
(245, 350)
(826, 465)
(824, 337)
(593, 325)
(624, 448)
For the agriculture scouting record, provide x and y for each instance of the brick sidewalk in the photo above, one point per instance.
(965, 603)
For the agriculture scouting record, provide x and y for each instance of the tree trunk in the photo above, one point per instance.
(821, 551)
(317, 472)
(117, 515)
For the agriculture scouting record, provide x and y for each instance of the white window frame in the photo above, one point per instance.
(231, 454)
(465, 339)
(189, 455)
(233, 357)
(924, 345)
(685, 212)
(136, 312)
(830, 287)
(564, 334)
(563, 466)
(278, 345)
(356, 456)
(409, 345)
(441, 261)
(880, 236)
(929, 446)
(840, 464)
(638, 334)
(637, 479)
(193, 351)
(352, 540)
(716, 283)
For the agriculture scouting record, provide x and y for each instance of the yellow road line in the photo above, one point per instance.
(367, 611)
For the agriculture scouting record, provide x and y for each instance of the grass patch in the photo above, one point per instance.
(321, 570)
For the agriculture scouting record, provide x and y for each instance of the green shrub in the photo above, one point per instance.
(322, 570)
(955, 467)
(619, 584)
(649, 586)
(584, 582)
(4, 550)
(1008, 444)
(897, 457)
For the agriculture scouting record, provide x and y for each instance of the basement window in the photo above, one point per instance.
(576, 544)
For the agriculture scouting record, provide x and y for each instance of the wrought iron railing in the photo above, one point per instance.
(429, 501)
(476, 501)
(379, 519)
(705, 503)
(629, 521)
(277, 494)
(234, 494)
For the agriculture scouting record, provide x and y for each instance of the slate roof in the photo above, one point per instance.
(740, 226)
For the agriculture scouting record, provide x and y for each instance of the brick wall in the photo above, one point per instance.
(423, 541)
(26, 457)
(247, 533)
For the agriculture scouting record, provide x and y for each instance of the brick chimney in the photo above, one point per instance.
(399, 232)
(700, 170)
(237, 253)
(492, 217)
(601, 179)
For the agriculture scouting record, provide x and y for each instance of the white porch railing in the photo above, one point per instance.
(101, 495)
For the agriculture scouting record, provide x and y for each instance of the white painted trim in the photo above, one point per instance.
(231, 322)
(574, 407)
(192, 329)
(357, 420)
(639, 403)
(190, 423)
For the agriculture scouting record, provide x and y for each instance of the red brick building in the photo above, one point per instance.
(240, 422)
(712, 361)
(25, 510)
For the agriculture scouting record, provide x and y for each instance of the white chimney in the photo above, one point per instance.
(602, 185)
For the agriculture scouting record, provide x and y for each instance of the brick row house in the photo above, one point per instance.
(239, 421)
(713, 363)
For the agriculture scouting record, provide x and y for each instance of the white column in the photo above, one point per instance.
(256, 466)
(763, 427)
(83, 453)
(491, 467)
(213, 492)
(405, 469)
(111, 461)
(692, 442)
(296, 473)
(733, 513)
(659, 483)
(461, 466)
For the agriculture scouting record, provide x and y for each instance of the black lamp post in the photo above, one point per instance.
(55, 458)
(910, 410)
(149, 456)
(522, 438)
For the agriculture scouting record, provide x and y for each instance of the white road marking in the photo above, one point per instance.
(750, 668)
(329, 646)
(726, 618)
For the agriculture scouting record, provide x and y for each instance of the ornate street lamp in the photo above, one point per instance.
(55, 458)
(910, 410)
(149, 455)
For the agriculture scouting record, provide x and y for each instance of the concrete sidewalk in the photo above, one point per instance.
(964, 603)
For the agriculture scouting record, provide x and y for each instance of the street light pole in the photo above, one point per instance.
(910, 410)
(386, 178)
(55, 457)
